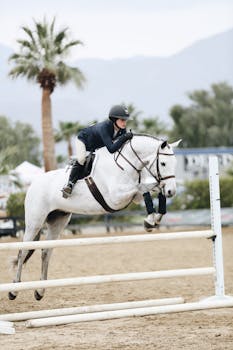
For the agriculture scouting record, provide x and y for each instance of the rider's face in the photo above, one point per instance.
(121, 123)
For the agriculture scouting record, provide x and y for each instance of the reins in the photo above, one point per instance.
(128, 161)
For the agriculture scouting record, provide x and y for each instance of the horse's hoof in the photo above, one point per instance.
(37, 295)
(148, 227)
(12, 296)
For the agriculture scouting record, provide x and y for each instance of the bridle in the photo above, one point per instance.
(158, 177)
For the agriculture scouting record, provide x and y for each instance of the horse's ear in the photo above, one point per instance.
(175, 144)
(164, 144)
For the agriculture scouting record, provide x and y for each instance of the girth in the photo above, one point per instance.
(98, 196)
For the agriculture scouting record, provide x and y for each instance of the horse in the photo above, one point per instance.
(145, 163)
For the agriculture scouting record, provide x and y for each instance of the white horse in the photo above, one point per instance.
(143, 164)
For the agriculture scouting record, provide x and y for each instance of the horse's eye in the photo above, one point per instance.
(163, 164)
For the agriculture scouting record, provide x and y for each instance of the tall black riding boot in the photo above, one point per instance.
(76, 174)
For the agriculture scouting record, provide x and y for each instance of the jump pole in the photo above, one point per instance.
(133, 276)
(6, 327)
(23, 316)
(61, 243)
(100, 316)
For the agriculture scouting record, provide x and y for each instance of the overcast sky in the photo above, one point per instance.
(121, 28)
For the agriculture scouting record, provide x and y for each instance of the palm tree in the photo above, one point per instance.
(65, 133)
(40, 59)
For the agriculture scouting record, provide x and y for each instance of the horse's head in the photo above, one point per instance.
(162, 166)
(154, 162)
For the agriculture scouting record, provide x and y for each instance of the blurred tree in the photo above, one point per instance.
(5, 156)
(196, 194)
(40, 59)
(18, 142)
(134, 121)
(153, 125)
(208, 121)
(65, 133)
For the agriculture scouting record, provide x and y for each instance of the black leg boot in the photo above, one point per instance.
(149, 220)
(162, 204)
(75, 175)
(153, 219)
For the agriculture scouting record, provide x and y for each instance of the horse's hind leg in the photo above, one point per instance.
(31, 233)
(56, 223)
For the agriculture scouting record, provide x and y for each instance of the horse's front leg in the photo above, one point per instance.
(45, 257)
(19, 261)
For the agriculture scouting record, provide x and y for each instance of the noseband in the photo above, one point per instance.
(158, 177)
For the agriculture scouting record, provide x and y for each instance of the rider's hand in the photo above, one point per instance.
(128, 136)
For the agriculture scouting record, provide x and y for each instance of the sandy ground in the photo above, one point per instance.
(207, 330)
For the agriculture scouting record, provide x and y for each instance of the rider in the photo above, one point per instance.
(96, 136)
(111, 133)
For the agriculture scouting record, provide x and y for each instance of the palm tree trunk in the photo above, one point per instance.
(70, 150)
(47, 132)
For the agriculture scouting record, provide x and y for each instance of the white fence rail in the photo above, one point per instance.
(106, 240)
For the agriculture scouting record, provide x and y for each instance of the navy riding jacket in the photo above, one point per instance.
(100, 135)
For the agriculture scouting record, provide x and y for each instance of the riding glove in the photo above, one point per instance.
(127, 136)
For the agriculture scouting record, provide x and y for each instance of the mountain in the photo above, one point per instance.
(152, 84)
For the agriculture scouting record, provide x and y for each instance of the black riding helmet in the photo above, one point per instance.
(118, 112)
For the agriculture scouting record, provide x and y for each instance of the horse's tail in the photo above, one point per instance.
(29, 254)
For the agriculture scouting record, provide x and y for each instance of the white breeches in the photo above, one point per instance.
(81, 151)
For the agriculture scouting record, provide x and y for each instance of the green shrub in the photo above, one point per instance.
(196, 195)
(226, 188)
(15, 204)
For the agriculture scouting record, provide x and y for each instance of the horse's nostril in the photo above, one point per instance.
(169, 193)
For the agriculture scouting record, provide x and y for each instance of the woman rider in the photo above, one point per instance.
(97, 136)
(112, 134)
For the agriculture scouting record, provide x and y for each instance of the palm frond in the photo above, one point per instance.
(52, 27)
(60, 36)
(65, 73)
(72, 43)
(42, 31)
(30, 34)
(45, 49)
(14, 56)
(17, 71)
(25, 44)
